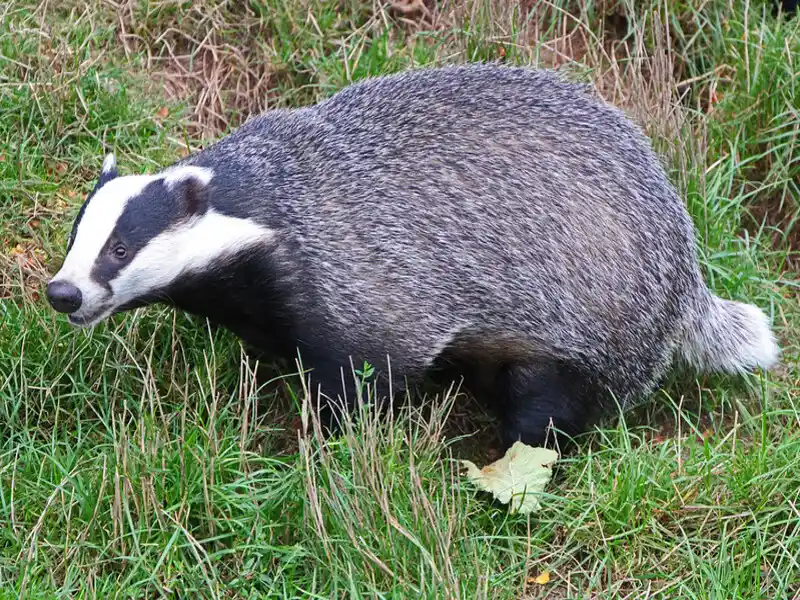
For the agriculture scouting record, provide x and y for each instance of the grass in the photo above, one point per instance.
(147, 459)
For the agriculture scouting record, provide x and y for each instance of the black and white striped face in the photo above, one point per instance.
(135, 235)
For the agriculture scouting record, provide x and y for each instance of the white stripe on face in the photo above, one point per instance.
(187, 247)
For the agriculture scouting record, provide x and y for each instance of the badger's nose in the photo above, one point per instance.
(63, 296)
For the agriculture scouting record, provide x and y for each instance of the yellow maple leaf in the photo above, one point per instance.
(517, 478)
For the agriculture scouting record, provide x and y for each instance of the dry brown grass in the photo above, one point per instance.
(227, 62)
(211, 55)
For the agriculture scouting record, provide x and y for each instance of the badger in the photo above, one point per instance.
(499, 220)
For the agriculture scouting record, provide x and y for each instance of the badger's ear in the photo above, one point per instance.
(191, 186)
(109, 170)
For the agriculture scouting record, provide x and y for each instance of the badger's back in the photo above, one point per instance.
(491, 208)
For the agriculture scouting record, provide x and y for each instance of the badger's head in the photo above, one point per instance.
(136, 235)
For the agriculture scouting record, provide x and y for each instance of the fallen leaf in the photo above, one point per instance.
(17, 250)
(61, 168)
(542, 578)
(517, 478)
(163, 112)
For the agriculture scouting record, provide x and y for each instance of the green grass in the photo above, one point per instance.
(144, 458)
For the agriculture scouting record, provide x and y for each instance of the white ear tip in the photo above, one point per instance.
(177, 174)
(109, 162)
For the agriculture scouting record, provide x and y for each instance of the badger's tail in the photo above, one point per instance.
(728, 336)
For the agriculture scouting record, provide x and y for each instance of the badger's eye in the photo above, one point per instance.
(120, 252)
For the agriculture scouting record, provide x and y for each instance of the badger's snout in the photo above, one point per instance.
(64, 297)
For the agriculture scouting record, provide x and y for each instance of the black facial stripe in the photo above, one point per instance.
(105, 268)
(146, 215)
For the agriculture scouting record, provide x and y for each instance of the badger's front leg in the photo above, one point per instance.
(333, 354)
(333, 392)
(335, 388)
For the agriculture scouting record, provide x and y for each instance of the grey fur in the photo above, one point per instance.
(498, 213)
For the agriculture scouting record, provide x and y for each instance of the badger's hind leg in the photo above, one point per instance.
(541, 397)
